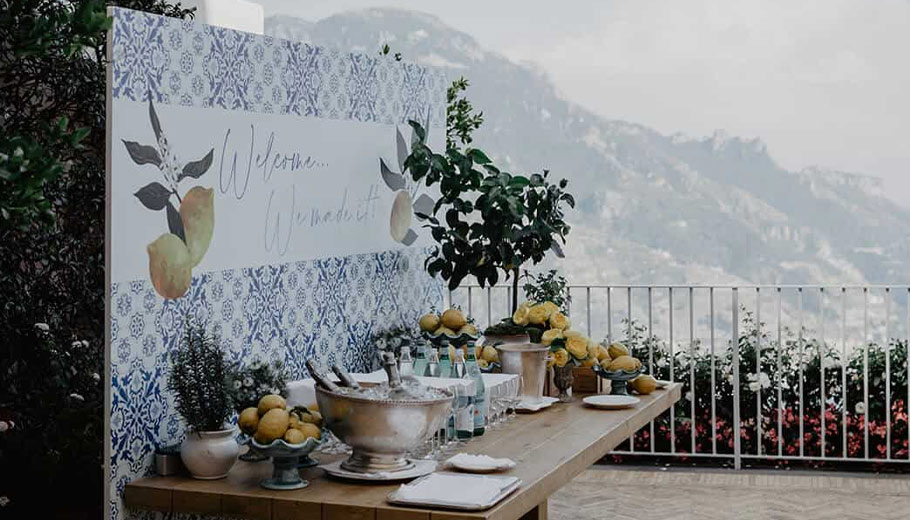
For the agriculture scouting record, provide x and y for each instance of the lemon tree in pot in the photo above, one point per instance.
(199, 382)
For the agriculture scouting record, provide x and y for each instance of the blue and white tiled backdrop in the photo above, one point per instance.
(326, 308)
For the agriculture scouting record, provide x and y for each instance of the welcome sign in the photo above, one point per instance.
(254, 185)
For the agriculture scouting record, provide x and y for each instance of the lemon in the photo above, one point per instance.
(197, 211)
(589, 362)
(468, 329)
(170, 266)
(272, 425)
(603, 354)
(490, 354)
(429, 322)
(617, 349)
(627, 363)
(643, 384)
(550, 306)
(444, 330)
(294, 436)
(400, 220)
(248, 420)
(453, 319)
(482, 363)
(314, 417)
(311, 431)
(270, 402)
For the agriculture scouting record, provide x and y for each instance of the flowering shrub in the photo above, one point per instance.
(772, 378)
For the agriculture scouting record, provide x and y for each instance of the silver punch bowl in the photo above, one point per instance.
(380, 431)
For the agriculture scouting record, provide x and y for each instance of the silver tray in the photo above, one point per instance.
(442, 504)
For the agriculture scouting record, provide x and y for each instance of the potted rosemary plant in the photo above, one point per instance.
(199, 381)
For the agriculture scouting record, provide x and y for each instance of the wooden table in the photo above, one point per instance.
(550, 448)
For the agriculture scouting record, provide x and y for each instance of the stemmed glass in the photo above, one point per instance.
(514, 396)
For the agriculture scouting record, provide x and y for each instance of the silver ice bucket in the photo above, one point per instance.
(529, 360)
(380, 431)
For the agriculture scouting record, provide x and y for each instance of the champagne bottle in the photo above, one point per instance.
(432, 369)
(405, 363)
(345, 378)
(320, 378)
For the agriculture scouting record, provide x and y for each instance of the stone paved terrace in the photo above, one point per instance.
(693, 494)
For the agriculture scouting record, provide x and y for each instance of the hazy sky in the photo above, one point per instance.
(822, 82)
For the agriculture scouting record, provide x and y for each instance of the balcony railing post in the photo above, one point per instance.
(737, 431)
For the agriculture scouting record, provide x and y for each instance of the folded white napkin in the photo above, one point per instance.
(438, 487)
(483, 461)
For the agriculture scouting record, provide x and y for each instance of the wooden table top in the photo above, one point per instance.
(550, 448)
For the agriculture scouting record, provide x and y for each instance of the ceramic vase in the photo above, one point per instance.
(209, 455)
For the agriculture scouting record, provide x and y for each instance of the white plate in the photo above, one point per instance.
(531, 406)
(421, 468)
(611, 402)
(475, 464)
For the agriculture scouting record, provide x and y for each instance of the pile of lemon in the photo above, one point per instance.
(452, 322)
(272, 420)
(486, 355)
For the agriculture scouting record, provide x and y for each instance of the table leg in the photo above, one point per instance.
(538, 513)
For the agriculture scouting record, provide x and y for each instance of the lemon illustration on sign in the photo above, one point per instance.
(400, 221)
(170, 266)
(198, 214)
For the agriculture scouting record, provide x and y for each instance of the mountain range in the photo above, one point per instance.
(652, 208)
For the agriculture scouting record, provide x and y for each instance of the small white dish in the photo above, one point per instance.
(420, 468)
(530, 406)
(611, 402)
(479, 463)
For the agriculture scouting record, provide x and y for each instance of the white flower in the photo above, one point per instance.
(77, 344)
(77, 397)
(4, 426)
(860, 408)
(237, 384)
(274, 391)
(688, 396)
(4, 500)
(43, 327)
(754, 386)
(730, 378)
(751, 377)
(95, 376)
(247, 381)
(662, 362)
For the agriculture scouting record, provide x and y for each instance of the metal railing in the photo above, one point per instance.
(826, 366)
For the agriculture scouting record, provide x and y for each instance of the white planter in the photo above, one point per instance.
(209, 455)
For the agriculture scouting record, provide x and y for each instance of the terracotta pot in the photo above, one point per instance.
(209, 455)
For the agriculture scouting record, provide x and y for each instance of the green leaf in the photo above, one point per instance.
(153, 196)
